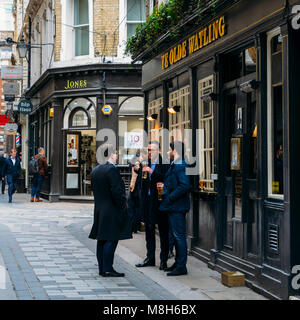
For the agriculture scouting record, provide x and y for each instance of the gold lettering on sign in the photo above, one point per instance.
(197, 41)
(78, 84)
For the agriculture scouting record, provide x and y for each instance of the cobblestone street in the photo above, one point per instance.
(45, 250)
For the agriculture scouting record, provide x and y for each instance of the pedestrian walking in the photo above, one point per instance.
(2, 162)
(154, 173)
(111, 220)
(39, 166)
(11, 169)
(176, 204)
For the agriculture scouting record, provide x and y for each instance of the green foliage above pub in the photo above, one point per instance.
(166, 19)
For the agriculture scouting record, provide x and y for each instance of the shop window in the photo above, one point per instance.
(131, 125)
(206, 138)
(239, 63)
(80, 112)
(81, 27)
(275, 115)
(136, 14)
(180, 120)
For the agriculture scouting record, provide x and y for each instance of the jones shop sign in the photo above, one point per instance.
(197, 41)
(25, 106)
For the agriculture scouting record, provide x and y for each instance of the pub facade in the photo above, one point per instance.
(232, 79)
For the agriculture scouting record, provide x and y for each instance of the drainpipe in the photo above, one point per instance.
(29, 53)
(104, 87)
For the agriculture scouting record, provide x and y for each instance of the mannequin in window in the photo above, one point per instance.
(279, 168)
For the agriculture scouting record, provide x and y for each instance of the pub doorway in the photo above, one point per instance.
(240, 207)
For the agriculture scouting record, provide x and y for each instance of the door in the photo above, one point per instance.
(72, 163)
(240, 234)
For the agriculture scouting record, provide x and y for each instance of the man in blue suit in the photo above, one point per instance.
(12, 169)
(176, 204)
(2, 162)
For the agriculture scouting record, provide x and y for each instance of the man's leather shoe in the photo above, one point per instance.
(146, 263)
(177, 272)
(173, 267)
(112, 274)
(163, 266)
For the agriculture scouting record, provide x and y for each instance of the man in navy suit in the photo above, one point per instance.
(2, 162)
(11, 169)
(111, 220)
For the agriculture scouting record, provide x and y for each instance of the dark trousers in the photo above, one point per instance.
(134, 211)
(12, 185)
(163, 228)
(177, 225)
(105, 254)
(3, 185)
(36, 185)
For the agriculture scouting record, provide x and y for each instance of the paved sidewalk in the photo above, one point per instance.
(47, 254)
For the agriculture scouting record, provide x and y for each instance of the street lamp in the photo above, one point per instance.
(22, 48)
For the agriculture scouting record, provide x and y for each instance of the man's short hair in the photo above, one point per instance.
(155, 142)
(13, 150)
(178, 146)
(40, 149)
(107, 149)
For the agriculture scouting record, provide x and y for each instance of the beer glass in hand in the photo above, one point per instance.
(160, 189)
(144, 166)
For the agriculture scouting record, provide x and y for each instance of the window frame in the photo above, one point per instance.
(206, 154)
(270, 117)
(132, 21)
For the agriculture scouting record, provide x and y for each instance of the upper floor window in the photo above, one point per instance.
(81, 27)
(136, 14)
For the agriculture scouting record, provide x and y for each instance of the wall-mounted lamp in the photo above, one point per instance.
(249, 86)
(209, 97)
(174, 109)
(152, 117)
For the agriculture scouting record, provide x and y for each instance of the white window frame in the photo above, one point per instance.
(132, 22)
(270, 150)
(68, 32)
(154, 127)
(176, 122)
(206, 126)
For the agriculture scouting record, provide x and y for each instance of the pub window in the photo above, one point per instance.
(81, 27)
(154, 127)
(206, 137)
(136, 14)
(47, 131)
(275, 115)
(79, 118)
(180, 120)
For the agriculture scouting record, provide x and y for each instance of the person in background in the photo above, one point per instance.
(135, 190)
(2, 162)
(11, 169)
(39, 177)
(153, 174)
(176, 204)
(111, 220)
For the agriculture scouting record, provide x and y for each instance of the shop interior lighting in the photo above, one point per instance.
(209, 97)
(152, 117)
(249, 86)
(174, 109)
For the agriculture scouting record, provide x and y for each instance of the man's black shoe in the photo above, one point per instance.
(163, 266)
(146, 263)
(9, 201)
(114, 274)
(173, 267)
(177, 272)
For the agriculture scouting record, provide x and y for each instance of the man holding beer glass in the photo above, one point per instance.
(176, 204)
(152, 184)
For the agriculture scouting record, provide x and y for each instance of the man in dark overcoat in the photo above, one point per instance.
(111, 220)
(12, 169)
(155, 174)
(2, 162)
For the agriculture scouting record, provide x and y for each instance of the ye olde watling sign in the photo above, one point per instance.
(25, 106)
(197, 41)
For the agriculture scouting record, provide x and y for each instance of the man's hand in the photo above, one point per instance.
(147, 169)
